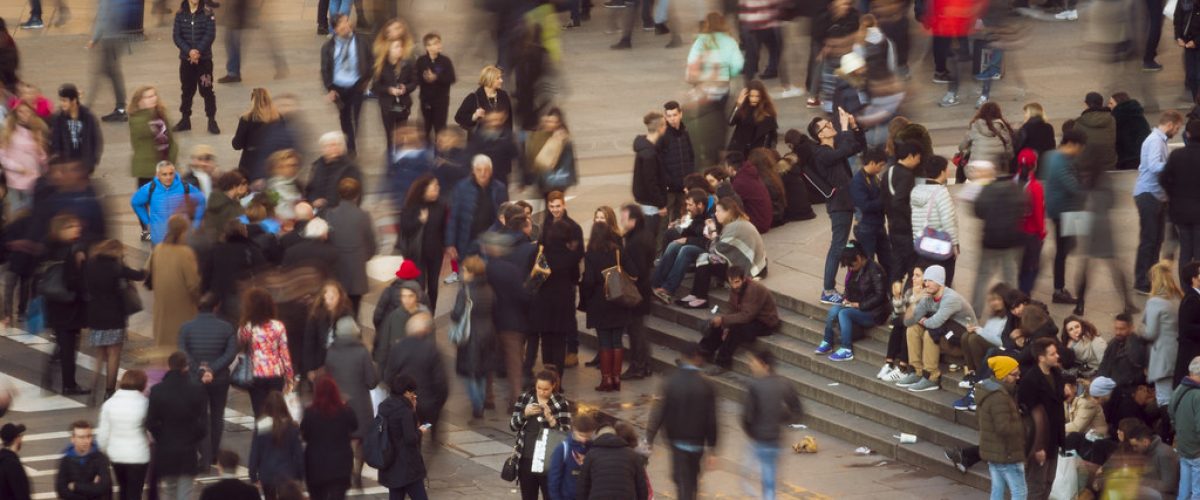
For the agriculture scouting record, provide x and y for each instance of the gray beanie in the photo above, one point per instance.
(346, 327)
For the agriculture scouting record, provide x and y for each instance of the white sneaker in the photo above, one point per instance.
(452, 279)
(1067, 15)
(790, 92)
(884, 371)
(894, 376)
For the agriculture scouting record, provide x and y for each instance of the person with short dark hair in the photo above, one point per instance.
(1189, 320)
(649, 188)
(229, 487)
(223, 205)
(74, 131)
(865, 304)
(689, 244)
(1064, 194)
(1040, 392)
(83, 472)
(687, 413)
(897, 185)
(14, 481)
(436, 74)
(1150, 198)
(867, 193)
(210, 344)
(194, 32)
(176, 419)
(752, 313)
(830, 168)
(405, 476)
(771, 403)
(1179, 173)
(676, 158)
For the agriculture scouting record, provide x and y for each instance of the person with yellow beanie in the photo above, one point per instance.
(1001, 432)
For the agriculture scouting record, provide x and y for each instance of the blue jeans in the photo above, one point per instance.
(847, 318)
(840, 222)
(476, 389)
(338, 7)
(993, 68)
(661, 7)
(673, 266)
(767, 455)
(1010, 477)
(609, 338)
(233, 52)
(1189, 478)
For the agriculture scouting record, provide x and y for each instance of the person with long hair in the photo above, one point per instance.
(733, 241)
(266, 341)
(107, 280)
(23, 153)
(67, 317)
(175, 280)
(540, 407)
(395, 80)
(122, 436)
(150, 136)
(989, 138)
(607, 318)
(251, 130)
(1081, 336)
(330, 306)
(754, 119)
(1160, 327)
(606, 215)
(276, 453)
(328, 427)
(490, 96)
(423, 232)
(550, 155)
(475, 358)
(349, 363)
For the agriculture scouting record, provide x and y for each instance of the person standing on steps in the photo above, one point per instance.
(194, 33)
(831, 173)
(1178, 179)
(106, 32)
(1150, 198)
(1040, 391)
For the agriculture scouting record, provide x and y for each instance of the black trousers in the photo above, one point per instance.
(131, 479)
(533, 484)
(897, 348)
(194, 77)
(322, 14)
(329, 490)
(349, 104)
(685, 471)
(702, 280)
(434, 112)
(217, 393)
(107, 63)
(739, 335)
(639, 344)
(754, 41)
(904, 258)
(68, 345)
(430, 268)
(897, 32)
(1154, 27)
(260, 389)
(554, 350)
(391, 120)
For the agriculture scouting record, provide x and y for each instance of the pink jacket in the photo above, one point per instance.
(23, 160)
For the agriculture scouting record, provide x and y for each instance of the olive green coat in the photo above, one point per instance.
(141, 137)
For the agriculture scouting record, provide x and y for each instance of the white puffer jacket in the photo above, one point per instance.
(932, 206)
(122, 431)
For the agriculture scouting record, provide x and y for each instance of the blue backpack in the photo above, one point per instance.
(377, 445)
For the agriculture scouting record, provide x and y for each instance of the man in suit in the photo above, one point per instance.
(229, 487)
(688, 413)
(345, 71)
(354, 239)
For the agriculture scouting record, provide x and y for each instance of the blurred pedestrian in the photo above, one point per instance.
(328, 428)
(345, 72)
(121, 434)
(687, 413)
(417, 356)
(1001, 206)
(493, 139)
(24, 143)
(436, 73)
(989, 139)
(83, 472)
(252, 126)
(550, 155)
(475, 205)
(276, 453)
(67, 315)
(74, 131)
(1064, 194)
(405, 477)
(407, 160)
(1150, 198)
(539, 408)
(398, 303)
(194, 33)
(395, 80)
(349, 363)
(333, 166)
(327, 309)
(266, 342)
(1033, 223)
(10, 59)
(175, 280)
(211, 345)
(771, 404)
(489, 97)
(232, 261)
(107, 281)
(229, 487)
(242, 16)
(1186, 37)
(223, 205)
(1183, 208)
(950, 22)
(106, 32)
(176, 419)
(354, 239)
(714, 61)
(14, 481)
(474, 359)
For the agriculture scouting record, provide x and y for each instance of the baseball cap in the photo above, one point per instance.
(10, 432)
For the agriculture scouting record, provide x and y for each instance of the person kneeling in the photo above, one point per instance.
(753, 314)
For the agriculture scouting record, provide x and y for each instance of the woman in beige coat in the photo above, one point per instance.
(175, 279)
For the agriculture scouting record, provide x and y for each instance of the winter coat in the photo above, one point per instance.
(1064, 193)
(249, 140)
(1034, 390)
(951, 18)
(1001, 205)
(640, 252)
(90, 145)
(564, 470)
(437, 91)
(68, 315)
(402, 73)
(194, 31)
(830, 167)
(178, 419)
(771, 403)
(552, 308)
(432, 233)
(1186, 22)
(403, 168)
(687, 411)
(317, 336)
(1132, 129)
(393, 329)
(478, 99)
(1160, 324)
(349, 363)
(612, 469)
(324, 179)
(1089, 353)
(274, 463)
(144, 126)
(750, 133)
(868, 199)
(1179, 178)
(898, 183)
(319, 254)
(649, 188)
(868, 287)
(932, 206)
(106, 279)
(407, 465)
(1184, 409)
(362, 53)
(462, 213)
(389, 300)
(327, 453)
(1035, 134)
(419, 358)
(1033, 223)
(714, 57)
(121, 432)
(1189, 332)
(676, 158)
(175, 279)
(89, 472)
(1001, 430)
(155, 203)
(602, 314)
(229, 264)
(755, 198)
(499, 146)
(353, 234)
(1086, 415)
(218, 211)
(1099, 155)
(982, 144)
(14, 482)
(475, 357)
(208, 340)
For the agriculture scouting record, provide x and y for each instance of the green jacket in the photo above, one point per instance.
(1001, 432)
(1185, 416)
(144, 126)
(219, 211)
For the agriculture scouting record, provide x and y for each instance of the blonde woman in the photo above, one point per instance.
(490, 96)
(1160, 327)
(150, 136)
(395, 80)
(251, 130)
(1035, 133)
(23, 145)
(394, 30)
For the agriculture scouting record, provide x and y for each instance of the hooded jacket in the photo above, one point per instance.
(218, 211)
(275, 463)
(1099, 155)
(1184, 409)
(154, 203)
(932, 206)
(83, 471)
(649, 188)
(755, 197)
(408, 466)
(419, 358)
(195, 30)
(564, 470)
(771, 403)
(1001, 431)
(612, 470)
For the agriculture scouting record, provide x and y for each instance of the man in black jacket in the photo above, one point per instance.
(229, 487)
(830, 171)
(772, 402)
(176, 419)
(210, 344)
(898, 183)
(14, 482)
(1179, 179)
(511, 311)
(314, 250)
(74, 132)
(611, 469)
(1001, 206)
(688, 413)
(345, 72)
(417, 356)
(83, 472)
(676, 159)
(195, 30)
(1040, 395)
(639, 248)
(1125, 357)
(649, 189)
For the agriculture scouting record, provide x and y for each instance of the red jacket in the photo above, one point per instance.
(953, 18)
(1034, 222)
(756, 200)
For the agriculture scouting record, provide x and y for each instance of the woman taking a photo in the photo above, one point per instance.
(150, 136)
(266, 341)
(108, 281)
(423, 232)
(276, 453)
(121, 434)
(475, 358)
(332, 305)
(66, 317)
(327, 428)
(539, 408)
(175, 280)
(251, 130)
(608, 318)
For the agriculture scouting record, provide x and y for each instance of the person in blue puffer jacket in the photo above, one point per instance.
(567, 460)
(156, 201)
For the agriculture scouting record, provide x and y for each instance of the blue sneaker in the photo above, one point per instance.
(966, 403)
(831, 297)
(824, 348)
(842, 354)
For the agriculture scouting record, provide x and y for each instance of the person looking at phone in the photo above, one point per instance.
(541, 407)
(831, 175)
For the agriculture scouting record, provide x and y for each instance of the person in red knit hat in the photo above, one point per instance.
(389, 300)
(1033, 225)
